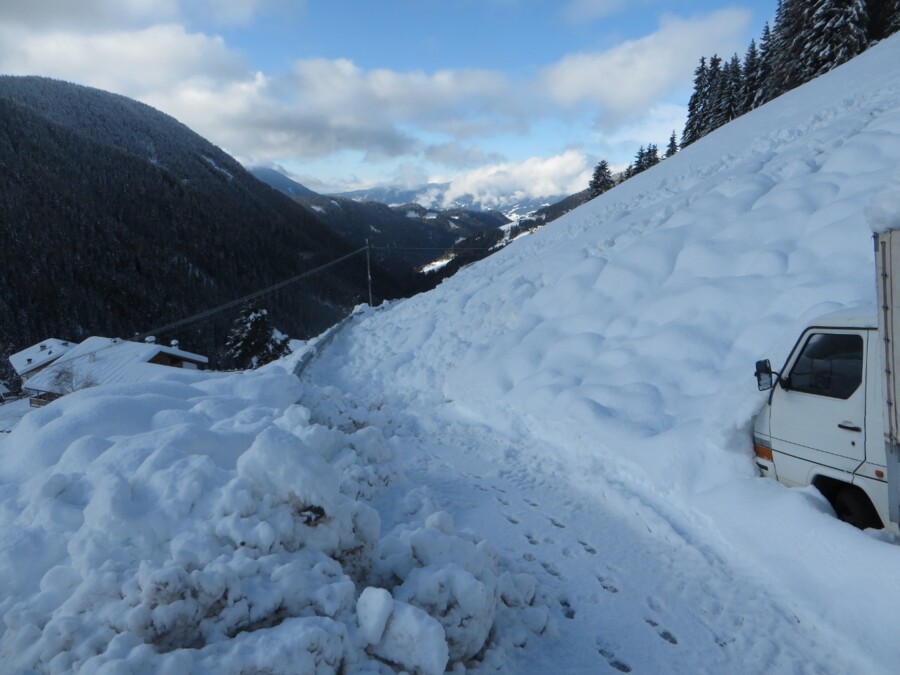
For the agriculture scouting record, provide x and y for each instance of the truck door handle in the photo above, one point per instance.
(849, 426)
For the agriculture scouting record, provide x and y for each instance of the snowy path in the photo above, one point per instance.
(633, 591)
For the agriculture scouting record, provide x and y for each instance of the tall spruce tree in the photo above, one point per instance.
(726, 97)
(763, 79)
(696, 105)
(752, 77)
(788, 39)
(602, 180)
(836, 32)
(253, 341)
(892, 18)
(884, 18)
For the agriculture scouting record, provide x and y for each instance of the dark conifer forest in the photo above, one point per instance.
(116, 218)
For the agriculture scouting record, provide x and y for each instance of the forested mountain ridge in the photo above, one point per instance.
(115, 218)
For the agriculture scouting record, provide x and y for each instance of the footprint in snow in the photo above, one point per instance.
(556, 523)
(607, 585)
(662, 632)
(568, 612)
(504, 502)
(550, 569)
(614, 662)
(511, 519)
(532, 540)
(587, 547)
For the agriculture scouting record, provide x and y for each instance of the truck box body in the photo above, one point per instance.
(887, 258)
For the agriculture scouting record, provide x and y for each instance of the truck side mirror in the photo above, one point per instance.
(764, 380)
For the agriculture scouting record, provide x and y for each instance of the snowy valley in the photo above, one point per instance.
(542, 465)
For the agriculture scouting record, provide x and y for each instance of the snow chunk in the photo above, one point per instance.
(373, 609)
(413, 640)
(283, 465)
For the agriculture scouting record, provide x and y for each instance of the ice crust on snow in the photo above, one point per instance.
(544, 465)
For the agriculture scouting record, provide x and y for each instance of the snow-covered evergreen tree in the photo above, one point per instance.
(752, 77)
(253, 341)
(602, 179)
(696, 105)
(884, 18)
(836, 32)
(672, 147)
(726, 96)
(765, 90)
(788, 40)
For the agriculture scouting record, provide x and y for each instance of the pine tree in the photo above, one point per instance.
(726, 95)
(884, 18)
(763, 79)
(672, 147)
(602, 179)
(788, 40)
(835, 34)
(892, 17)
(253, 341)
(752, 80)
(714, 84)
(696, 105)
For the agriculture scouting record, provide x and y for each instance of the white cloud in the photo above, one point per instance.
(562, 174)
(632, 76)
(441, 100)
(230, 12)
(127, 62)
(86, 14)
(457, 155)
(586, 10)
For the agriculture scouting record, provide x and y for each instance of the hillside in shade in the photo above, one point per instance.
(116, 218)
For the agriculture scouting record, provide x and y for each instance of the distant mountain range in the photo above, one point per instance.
(403, 237)
(433, 195)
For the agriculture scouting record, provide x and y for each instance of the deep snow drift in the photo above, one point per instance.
(541, 466)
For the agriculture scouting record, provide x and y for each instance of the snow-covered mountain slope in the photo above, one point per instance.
(594, 382)
(543, 465)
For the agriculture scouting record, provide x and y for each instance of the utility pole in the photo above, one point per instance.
(369, 272)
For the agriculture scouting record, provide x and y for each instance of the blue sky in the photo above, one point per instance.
(490, 95)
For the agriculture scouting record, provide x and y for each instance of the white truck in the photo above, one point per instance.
(832, 418)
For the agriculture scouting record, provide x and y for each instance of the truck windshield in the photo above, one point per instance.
(829, 365)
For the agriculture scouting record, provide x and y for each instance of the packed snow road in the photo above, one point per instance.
(636, 584)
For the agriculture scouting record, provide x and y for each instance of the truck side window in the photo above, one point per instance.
(830, 364)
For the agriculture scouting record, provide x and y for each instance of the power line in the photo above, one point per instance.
(252, 296)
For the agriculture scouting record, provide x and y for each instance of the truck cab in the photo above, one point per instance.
(823, 422)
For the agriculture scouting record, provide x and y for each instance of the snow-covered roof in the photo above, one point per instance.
(101, 360)
(39, 355)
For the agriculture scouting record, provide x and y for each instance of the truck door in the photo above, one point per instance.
(818, 411)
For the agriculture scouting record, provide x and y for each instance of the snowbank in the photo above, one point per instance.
(203, 523)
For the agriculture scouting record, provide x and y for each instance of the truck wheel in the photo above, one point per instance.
(853, 506)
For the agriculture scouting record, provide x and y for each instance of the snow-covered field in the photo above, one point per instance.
(543, 465)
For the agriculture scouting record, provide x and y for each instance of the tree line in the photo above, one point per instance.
(808, 38)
